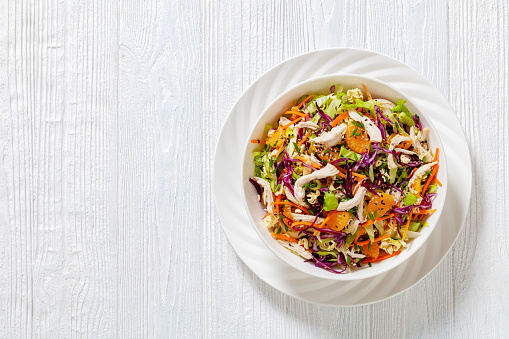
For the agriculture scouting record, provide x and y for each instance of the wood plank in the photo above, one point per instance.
(59, 100)
(160, 124)
(479, 87)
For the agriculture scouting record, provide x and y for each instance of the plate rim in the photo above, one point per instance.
(424, 81)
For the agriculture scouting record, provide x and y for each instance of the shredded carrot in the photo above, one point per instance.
(314, 164)
(300, 226)
(425, 212)
(266, 215)
(325, 221)
(367, 92)
(339, 119)
(285, 237)
(341, 174)
(304, 139)
(291, 123)
(431, 176)
(284, 171)
(305, 223)
(362, 230)
(383, 257)
(303, 101)
(385, 224)
(290, 203)
(258, 141)
(358, 186)
(322, 224)
(296, 113)
(365, 242)
(435, 168)
(407, 224)
(288, 216)
(371, 222)
(286, 223)
(278, 199)
(358, 175)
(434, 171)
(280, 150)
(413, 171)
(438, 182)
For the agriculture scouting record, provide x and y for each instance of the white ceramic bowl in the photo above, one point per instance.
(321, 85)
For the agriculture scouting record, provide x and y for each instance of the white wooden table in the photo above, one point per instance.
(109, 114)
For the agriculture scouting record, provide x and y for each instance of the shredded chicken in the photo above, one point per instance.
(395, 142)
(292, 198)
(355, 201)
(419, 148)
(306, 124)
(360, 211)
(314, 159)
(296, 249)
(423, 135)
(418, 174)
(332, 137)
(300, 193)
(373, 131)
(267, 192)
(352, 254)
(306, 218)
(284, 121)
(385, 106)
(404, 151)
(396, 195)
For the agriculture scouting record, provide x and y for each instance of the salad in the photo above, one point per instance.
(346, 180)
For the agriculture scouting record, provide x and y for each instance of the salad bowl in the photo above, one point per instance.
(322, 85)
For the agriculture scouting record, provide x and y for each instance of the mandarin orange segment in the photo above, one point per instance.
(328, 155)
(416, 186)
(338, 220)
(373, 252)
(277, 136)
(381, 204)
(356, 138)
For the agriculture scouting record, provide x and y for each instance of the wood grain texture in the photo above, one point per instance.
(109, 116)
(59, 108)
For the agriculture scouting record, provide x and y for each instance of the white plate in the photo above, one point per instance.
(227, 172)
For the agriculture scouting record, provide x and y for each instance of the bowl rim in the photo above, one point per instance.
(393, 262)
